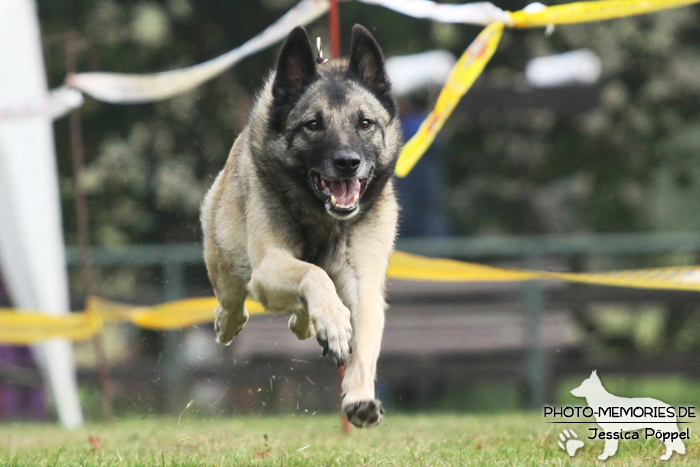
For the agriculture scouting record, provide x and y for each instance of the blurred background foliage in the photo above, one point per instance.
(629, 165)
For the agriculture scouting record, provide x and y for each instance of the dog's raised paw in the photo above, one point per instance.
(333, 333)
(327, 351)
(364, 414)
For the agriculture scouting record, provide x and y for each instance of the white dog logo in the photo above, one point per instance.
(616, 415)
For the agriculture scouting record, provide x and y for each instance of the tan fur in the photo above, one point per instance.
(248, 253)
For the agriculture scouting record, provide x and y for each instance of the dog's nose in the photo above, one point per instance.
(346, 162)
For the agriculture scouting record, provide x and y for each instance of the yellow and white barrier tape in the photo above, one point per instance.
(405, 266)
(122, 88)
(177, 315)
(55, 105)
(465, 72)
(582, 12)
(28, 328)
(412, 267)
(482, 13)
(119, 88)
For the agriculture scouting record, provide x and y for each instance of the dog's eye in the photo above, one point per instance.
(313, 125)
(365, 124)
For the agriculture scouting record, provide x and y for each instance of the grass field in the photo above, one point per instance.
(401, 440)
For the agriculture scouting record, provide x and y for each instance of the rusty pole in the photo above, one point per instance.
(334, 28)
(83, 224)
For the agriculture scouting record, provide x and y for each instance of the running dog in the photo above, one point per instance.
(303, 216)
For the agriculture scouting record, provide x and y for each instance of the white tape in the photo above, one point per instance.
(119, 88)
(483, 13)
(535, 7)
(575, 67)
(409, 73)
(59, 102)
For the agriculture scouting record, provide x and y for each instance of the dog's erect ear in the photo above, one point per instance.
(594, 374)
(367, 66)
(296, 70)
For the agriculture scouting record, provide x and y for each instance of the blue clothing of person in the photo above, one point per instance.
(422, 192)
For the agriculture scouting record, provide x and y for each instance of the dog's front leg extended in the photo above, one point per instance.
(280, 282)
(359, 402)
(368, 255)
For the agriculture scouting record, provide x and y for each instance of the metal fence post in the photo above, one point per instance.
(535, 364)
(173, 289)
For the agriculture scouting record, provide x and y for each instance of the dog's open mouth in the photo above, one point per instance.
(340, 196)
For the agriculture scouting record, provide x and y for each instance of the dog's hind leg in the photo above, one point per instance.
(231, 314)
(302, 327)
(230, 290)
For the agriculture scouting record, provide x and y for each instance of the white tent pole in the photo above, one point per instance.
(32, 251)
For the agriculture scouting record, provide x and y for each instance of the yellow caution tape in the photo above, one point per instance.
(477, 55)
(466, 70)
(413, 267)
(183, 313)
(410, 267)
(582, 12)
(681, 278)
(165, 316)
(31, 327)
(111, 312)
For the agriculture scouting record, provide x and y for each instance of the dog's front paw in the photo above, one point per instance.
(333, 331)
(228, 325)
(364, 414)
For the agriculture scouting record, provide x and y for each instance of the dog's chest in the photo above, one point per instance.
(322, 246)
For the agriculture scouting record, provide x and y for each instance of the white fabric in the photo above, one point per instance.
(58, 103)
(483, 13)
(32, 252)
(581, 66)
(120, 88)
(409, 73)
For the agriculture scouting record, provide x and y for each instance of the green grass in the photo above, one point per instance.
(401, 440)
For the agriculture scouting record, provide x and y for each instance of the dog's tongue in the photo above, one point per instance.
(345, 192)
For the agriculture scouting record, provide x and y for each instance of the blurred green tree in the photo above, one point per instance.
(631, 164)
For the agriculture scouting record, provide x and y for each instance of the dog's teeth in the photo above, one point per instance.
(351, 204)
(324, 184)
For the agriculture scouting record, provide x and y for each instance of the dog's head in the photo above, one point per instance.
(333, 126)
(591, 386)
